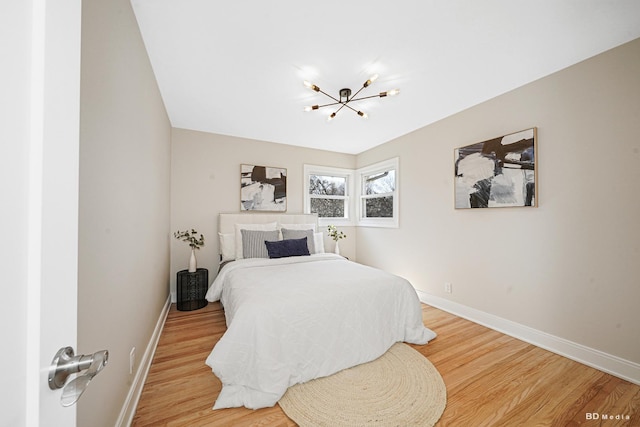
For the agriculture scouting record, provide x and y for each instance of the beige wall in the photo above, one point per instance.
(124, 203)
(205, 180)
(570, 267)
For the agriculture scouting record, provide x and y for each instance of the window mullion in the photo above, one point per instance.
(373, 196)
(320, 196)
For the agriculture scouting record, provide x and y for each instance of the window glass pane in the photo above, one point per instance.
(328, 208)
(324, 185)
(380, 183)
(379, 207)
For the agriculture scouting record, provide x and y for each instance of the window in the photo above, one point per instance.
(328, 193)
(378, 194)
(332, 194)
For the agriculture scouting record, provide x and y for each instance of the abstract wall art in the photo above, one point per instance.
(500, 172)
(263, 188)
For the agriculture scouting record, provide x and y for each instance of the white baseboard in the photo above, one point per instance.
(621, 368)
(128, 410)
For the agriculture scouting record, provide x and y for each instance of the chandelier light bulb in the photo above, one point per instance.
(363, 115)
(392, 92)
(311, 107)
(331, 117)
(371, 80)
(311, 86)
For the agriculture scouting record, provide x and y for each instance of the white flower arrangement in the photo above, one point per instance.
(335, 234)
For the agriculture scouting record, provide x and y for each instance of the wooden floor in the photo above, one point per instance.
(491, 378)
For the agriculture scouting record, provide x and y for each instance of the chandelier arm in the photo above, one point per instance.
(350, 107)
(364, 97)
(344, 104)
(329, 105)
(356, 94)
(326, 94)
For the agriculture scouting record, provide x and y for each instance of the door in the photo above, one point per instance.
(52, 205)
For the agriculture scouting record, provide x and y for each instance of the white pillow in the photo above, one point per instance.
(318, 240)
(238, 238)
(227, 247)
(299, 227)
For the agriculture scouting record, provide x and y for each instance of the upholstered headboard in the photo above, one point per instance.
(227, 221)
(229, 249)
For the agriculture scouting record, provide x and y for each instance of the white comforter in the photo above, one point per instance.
(294, 319)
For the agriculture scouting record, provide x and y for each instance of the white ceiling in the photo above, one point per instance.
(236, 67)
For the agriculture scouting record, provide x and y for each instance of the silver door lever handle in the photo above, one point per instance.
(65, 363)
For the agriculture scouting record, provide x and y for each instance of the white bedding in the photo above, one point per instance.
(294, 319)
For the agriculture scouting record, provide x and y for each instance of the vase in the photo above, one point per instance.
(193, 263)
(337, 249)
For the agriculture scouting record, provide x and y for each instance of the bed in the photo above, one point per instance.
(295, 318)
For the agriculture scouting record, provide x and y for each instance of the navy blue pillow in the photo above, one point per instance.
(286, 248)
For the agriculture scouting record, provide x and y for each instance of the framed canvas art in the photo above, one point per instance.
(263, 188)
(500, 172)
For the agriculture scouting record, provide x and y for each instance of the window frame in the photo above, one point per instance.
(350, 213)
(361, 196)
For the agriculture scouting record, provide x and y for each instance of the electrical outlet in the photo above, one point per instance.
(447, 288)
(132, 360)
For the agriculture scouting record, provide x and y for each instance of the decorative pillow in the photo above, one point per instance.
(299, 234)
(318, 243)
(287, 248)
(253, 242)
(300, 227)
(267, 227)
(227, 247)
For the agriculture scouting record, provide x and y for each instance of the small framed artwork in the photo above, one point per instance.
(263, 188)
(500, 172)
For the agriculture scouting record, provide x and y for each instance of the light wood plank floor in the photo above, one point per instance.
(491, 378)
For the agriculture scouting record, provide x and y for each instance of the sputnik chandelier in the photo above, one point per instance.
(345, 98)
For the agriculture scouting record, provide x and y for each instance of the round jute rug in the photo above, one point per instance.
(400, 388)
